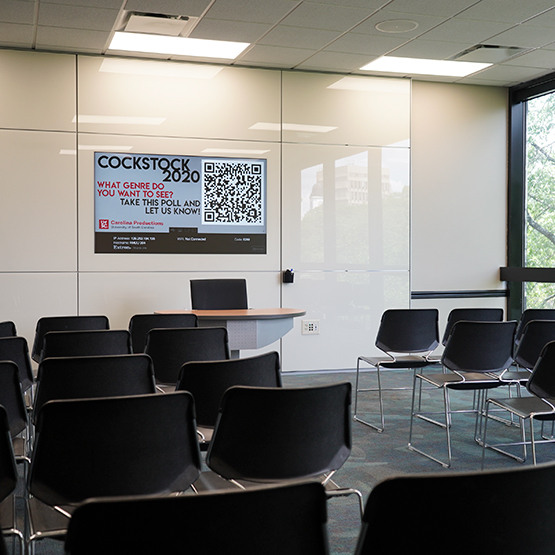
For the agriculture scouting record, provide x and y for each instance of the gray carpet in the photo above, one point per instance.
(376, 456)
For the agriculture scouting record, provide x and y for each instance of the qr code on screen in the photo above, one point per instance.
(232, 192)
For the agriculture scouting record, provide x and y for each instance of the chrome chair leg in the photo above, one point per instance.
(378, 428)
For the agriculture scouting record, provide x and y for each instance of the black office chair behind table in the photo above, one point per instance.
(219, 294)
(64, 323)
(494, 495)
(209, 380)
(141, 324)
(287, 519)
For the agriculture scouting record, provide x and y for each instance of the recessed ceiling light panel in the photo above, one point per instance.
(176, 46)
(420, 66)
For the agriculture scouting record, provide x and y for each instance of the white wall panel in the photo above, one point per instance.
(459, 193)
(28, 296)
(348, 306)
(37, 91)
(345, 207)
(144, 97)
(39, 199)
(89, 261)
(335, 109)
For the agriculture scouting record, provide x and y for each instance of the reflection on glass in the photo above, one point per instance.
(354, 209)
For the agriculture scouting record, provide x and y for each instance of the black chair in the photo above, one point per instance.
(473, 315)
(209, 380)
(407, 337)
(287, 519)
(474, 356)
(535, 335)
(86, 343)
(540, 405)
(141, 324)
(64, 323)
(16, 349)
(93, 376)
(13, 401)
(462, 496)
(532, 314)
(7, 329)
(218, 294)
(8, 484)
(268, 435)
(112, 446)
(172, 347)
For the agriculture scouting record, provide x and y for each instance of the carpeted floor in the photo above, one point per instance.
(376, 456)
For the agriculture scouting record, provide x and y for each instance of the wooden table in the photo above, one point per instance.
(249, 328)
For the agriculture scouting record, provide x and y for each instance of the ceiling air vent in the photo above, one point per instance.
(160, 24)
(489, 53)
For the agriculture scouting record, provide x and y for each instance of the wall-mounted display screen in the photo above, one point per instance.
(156, 203)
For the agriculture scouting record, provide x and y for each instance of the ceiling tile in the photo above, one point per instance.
(13, 34)
(326, 16)
(258, 11)
(220, 29)
(77, 17)
(56, 38)
(371, 45)
(434, 49)
(471, 31)
(334, 61)
(16, 11)
(510, 11)
(524, 35)
(276, 55)
(298, 37)
(427, 7)
(536, 58)
(425, 23)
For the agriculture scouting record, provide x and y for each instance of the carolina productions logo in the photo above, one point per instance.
(103, 224)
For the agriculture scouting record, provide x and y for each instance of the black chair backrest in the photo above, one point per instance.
(265, 434)
(208, 380)
(480, 346)
(93, 376)
(64, 323)
(132, 445)
(287, 519)
(16, 349)
(408, 330)
(472, 314)
(141, 324)
(218, 294)
(536, 334)
(7, 329)
(542, 379)
(172, 347)
(496, 493)
(11, 397)
(8, 469)
(532, 314)
(86, 343)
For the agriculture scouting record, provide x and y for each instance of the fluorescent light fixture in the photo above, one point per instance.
(420, 66)
(375, 85)
(245, 151)
(120, 120)
(268, 126)
(176, 46)
(159, 69)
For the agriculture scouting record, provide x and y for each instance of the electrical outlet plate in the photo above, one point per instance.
(310, 327)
